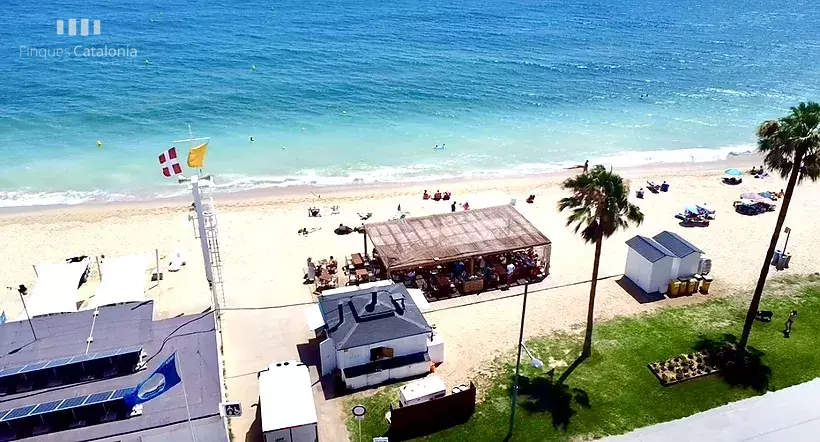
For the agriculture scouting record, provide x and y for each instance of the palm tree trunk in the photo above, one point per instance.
(587, 351)
(764, 272)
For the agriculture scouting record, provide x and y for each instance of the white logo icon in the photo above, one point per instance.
(72, 27)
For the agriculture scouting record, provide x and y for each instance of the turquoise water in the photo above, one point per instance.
(346, 92)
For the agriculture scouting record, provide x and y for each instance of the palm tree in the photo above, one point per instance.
(791, 147)
(599, 206)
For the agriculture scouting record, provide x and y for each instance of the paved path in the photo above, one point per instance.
(791, 414)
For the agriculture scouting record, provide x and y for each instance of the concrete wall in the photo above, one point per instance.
(405, 371)
(353, 357)
(689, 265)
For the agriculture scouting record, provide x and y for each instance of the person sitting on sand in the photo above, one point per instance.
(780, 194)
(530, 199)
(332, 265)
(447, 196)
(465, 206)
(753, 171)
(639, 193)
(437, 196)
(426, 195)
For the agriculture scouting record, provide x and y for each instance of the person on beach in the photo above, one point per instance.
(586, 166)
(426, 195)
(466, 206)
(453, 207)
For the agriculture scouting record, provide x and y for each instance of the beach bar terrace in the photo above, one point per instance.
(470, 250)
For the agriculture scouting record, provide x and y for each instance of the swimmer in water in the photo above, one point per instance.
(251, 139)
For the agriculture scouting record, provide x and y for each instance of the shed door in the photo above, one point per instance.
(327, 351)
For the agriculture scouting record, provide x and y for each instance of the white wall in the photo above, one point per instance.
(650, 277)
(661, 274)
(377, 378)
(638, 270)
(689, 265)
(353, 357)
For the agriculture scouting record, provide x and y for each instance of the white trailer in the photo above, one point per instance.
(423, 390)
(286, 403)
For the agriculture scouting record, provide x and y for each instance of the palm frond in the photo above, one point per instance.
(599, 205)
(781, 140)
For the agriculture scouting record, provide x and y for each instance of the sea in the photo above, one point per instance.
(359, 92)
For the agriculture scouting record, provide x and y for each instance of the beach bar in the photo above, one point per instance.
(468, 251)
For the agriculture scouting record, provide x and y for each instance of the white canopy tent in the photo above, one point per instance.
(123, 280)
(55, 290)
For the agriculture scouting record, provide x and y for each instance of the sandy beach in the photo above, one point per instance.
(264, 258)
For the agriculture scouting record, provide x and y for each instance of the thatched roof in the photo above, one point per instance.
(415, 242)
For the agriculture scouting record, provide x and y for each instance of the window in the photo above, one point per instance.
(378, 353)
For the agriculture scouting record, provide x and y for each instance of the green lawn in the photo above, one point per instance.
(614, 392)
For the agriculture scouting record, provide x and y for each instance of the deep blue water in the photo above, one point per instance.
(361, 91)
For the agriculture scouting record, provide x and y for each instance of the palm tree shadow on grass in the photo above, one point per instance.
(545, 394)
(744, 369)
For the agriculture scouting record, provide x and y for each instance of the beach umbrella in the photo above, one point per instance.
(705, 208)
(734, 172)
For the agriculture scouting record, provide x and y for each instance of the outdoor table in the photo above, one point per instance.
(357, 259)
(362, 275)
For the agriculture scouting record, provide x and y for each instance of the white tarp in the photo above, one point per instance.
(55, 290)
(286, 396)
(123, 280)
(313, 314)
(419, 299)
(353, 288)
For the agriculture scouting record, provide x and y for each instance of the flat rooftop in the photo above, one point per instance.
(129, 325)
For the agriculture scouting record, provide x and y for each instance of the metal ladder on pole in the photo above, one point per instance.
(212, 235)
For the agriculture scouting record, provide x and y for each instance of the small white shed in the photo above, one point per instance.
(286, 403)
(686, 252)
(649, 264)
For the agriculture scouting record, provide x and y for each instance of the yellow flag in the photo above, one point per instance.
(196, 156)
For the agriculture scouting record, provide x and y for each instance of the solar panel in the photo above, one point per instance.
(121, 393)
(81, 358)
(9, 371)
(105, 354)
(18, 413)
(72, 402)
(58, 362)
(32, 367)
(96, 398)
(127, 350)
(45, 407)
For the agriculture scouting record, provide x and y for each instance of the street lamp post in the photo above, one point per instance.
(518, 363)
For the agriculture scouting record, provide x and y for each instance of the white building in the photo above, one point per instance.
(375, 334)
(686, 252)
(651, 263)
(648, 264)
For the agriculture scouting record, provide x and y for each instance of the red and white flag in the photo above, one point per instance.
(170, 163)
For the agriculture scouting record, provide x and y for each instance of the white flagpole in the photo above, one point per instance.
(185, 393)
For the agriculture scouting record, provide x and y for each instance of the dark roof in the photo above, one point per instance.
(447, 237)
(648, 248)
(360, 325)
(116, 327)
(677, 245)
